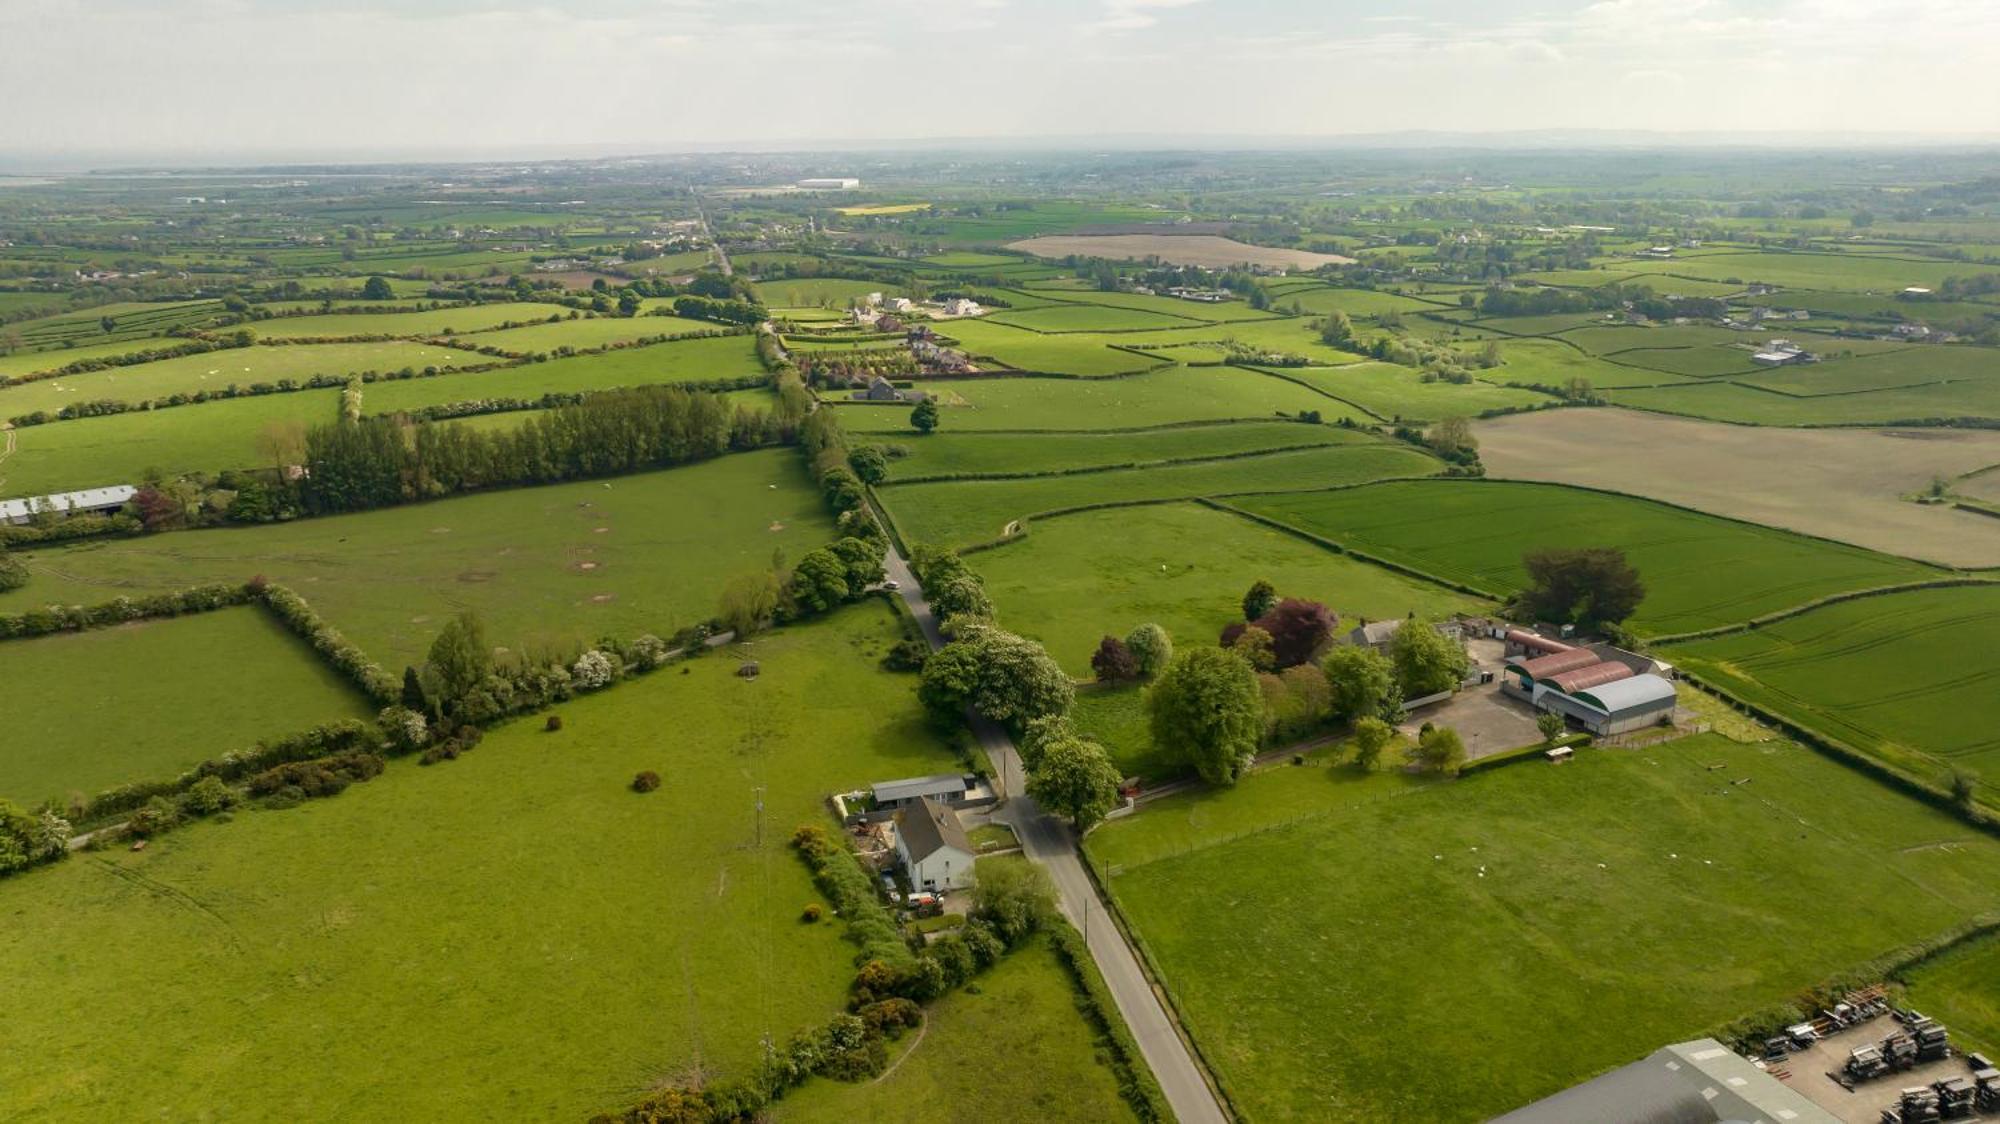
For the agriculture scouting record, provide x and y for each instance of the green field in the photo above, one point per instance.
(1957, 990)
(953, 453)
(696, 360)
(561, 564)
(593, 331)
(123, 448)
(1913, 677)
(1176, 394)
(1079, 354)
(1393, 393)
(960, 512)
(171, 694)
(1012, 1047)
(218, 370)
(1534, 362)
(469, 318)
(1700, 571)
(1395, 949)
(1075, 578)
(821, 292)
(369, 956)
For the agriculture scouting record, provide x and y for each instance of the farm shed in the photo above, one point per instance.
(949, 787)
(1527, 673)
(1699, 1082)
(932, 846)
(68, 503)
(1630, 702)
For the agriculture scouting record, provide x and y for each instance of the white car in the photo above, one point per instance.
(892, 584)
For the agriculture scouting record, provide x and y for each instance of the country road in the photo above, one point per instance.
(1050, 842)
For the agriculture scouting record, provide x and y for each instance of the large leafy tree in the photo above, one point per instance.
(819, 581)
(862, 559)
(924, 418)
(1439, 750)
(1151, 647)
(1259, 600)
(1587, 585)
(1426, 660)
(1075, 778)
(1114, 662)
(1205, 711)
(1362, 679)
(1298, 628)
(459, 658)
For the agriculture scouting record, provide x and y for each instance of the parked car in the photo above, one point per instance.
(925, 904)
(892, 584)
(889, 888)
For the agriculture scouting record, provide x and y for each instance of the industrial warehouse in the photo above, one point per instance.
(1605, 690)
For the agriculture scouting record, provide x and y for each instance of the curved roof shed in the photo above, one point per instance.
(1623, 696)
(1584, 678)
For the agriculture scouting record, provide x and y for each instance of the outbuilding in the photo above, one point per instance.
(1632, 702)
(89, 500)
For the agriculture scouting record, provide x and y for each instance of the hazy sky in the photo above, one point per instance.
(501, 74)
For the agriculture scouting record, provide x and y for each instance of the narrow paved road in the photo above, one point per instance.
(1050, 842)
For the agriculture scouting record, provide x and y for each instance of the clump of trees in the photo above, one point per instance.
(1068, 774)
(1426, 660)
(1586, 586)
(1002, 677)
(1292, 630)
(1206, 712)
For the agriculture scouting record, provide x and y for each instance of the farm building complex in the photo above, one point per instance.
(88, 501)
(1605, 690)
(1699, 1082)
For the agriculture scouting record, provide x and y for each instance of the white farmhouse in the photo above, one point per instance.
(931, 844)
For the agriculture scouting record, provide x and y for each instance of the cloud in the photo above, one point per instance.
(1133, 15)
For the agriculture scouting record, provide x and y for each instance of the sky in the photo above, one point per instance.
(521, 77)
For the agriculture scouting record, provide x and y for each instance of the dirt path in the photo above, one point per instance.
(6, 447)
(923, 1028)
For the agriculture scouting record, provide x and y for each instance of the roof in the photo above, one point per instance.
(1555, 663)
(1635, 693)
(114, 496)
(1528, 639)
(1699, 1082)
(1376, 632)
(1584, 678)
(910, 788)
(930, 827)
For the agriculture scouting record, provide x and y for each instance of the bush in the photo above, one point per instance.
(1151, 647)
(646, 781)
(553, 725)
(1113, 661)
(158, 815)
(322, 776)
(593, 670)
(812, 913)
(13, 574)
(208, 796)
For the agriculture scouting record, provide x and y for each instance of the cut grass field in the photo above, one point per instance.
(171, 694)
(1013, 1047)
(950, 453)
(1395, 949)
(696, 360)
(961, 512)
(1176, 394)
(1699, 571)
(555, 565)
(1075, 578)
(1845, 484)
(536, 940)
(218, 370)
(1393, 393)
(123, 448)
(594, 331)
(468, 318)
(1911, 677)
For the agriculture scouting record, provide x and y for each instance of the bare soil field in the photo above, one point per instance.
(1206, 250)
(1844, 484)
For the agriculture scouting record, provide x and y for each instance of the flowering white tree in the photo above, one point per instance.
(592, 670)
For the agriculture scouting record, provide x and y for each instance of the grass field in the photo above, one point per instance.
(122, 448)
(1176, 394)
(172, 694)
(1394, 949)
(696, 360)
(1012, 1048)
(820, 292)
(942, 453)
(55, 359)
(1745, 403)
(1089, 318)
(595, 331)
(1845, 484)
(1539, 362)
(1912, 676)
(960, 512)
(1700, 571)
(1032, 351)
(1393, 393)
(1075, 578)
(1957, 990)
(534, 939)
(559, 564)
(469, 318)
(217, 370)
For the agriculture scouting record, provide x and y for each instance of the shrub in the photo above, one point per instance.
(208, 796)
(158, 815)
(553, 725)
(1113, 661)
(322, 776)
(906, 655)
(646, 781)
(1151, 648)
(1439, 750)
(13, 574)
(1371, 737)
(593, 670)
(811, 914)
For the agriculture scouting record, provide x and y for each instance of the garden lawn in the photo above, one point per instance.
(1391, 948)
(695, 360)
(1699, 571)
(1176, 394)
(123, 448)
(147, 701)
(1075, 578)
(514, 935)
(962, 512)
(1013, 1047)
(952, 453)
(218, 370)
(1912, 677)
(555, 565)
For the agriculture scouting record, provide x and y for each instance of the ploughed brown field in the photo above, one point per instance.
(1845, 484)
(1207, 250)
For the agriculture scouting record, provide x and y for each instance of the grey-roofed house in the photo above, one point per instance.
(1699, 1082)
(932, 846)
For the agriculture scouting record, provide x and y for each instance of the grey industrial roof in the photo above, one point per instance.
(894, 792)
(1629, 694)
(112, 496)
(1699, 1082)
(929, 827)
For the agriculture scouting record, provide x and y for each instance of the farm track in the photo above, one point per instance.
(6, 450)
